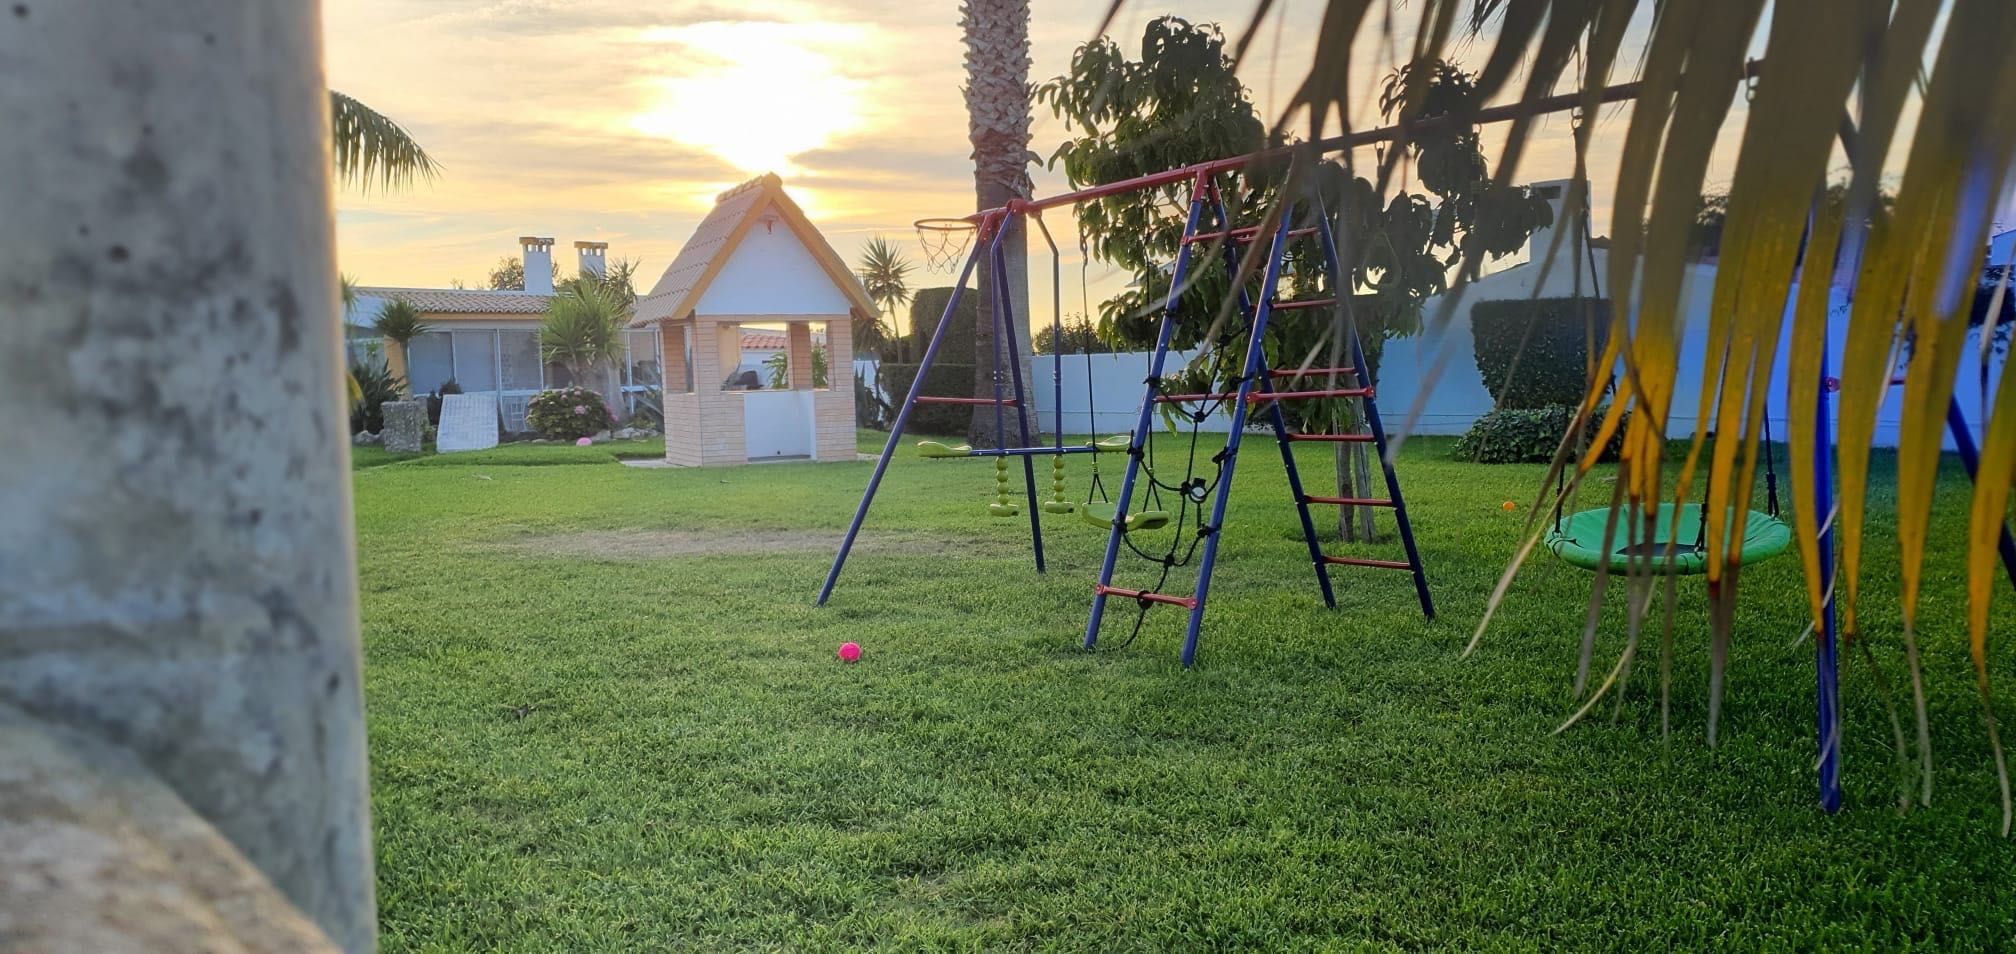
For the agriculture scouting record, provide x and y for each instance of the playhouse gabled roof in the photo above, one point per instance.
(735, 212)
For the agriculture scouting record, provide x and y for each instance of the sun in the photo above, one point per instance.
(756, 93)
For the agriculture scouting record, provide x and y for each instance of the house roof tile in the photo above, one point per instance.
(459, 301)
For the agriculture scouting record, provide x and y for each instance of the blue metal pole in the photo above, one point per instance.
(998, 291)
(1377, 426)
(1827, 667)
(896, 429)
(1280, 422)
(1056, 331)
(1256, 360)
(1142, 418)
(1970, 457)
(1295, 489)
(1007, 344)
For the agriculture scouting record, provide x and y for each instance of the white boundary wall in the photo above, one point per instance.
(1458, 396)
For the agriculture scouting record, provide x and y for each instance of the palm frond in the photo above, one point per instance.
(371, 150)
(1856, 72)
(583, 328)
(400, 322)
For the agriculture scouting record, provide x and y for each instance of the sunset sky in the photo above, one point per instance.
(618, 120)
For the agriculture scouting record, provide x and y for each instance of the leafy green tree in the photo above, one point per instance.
(885, 275)
(1181, 102)
(1081, 336)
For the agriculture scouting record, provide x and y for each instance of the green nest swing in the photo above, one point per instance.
(1677, 544)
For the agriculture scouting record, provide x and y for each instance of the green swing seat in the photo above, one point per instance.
(1579, 541)
(1100, 514)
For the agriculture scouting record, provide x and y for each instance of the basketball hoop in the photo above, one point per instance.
(944, 242)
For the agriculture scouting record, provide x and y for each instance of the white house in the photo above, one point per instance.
(487, 340)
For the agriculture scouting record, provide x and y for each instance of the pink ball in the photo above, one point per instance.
(849, 652)
(584, 442)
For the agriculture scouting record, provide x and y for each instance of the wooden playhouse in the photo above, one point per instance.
(756, 265)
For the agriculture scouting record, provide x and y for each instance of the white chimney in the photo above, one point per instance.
(538, 263)
(594, 257)
(1555, 191)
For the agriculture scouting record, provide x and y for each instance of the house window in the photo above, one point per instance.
(430, 361)
(475, 360)
(518, 359)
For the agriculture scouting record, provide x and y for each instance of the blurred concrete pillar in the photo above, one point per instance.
(176, 562)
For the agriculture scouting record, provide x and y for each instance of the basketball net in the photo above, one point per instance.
(944, 242)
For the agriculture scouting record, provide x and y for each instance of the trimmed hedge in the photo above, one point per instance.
(1527, 435)
(1548, 341)
(946, 380)
(926, 307)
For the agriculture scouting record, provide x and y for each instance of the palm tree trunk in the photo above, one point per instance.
(198, 604)
(997, 107)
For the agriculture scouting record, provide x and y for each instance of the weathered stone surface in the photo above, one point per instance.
(179, 573)
(101, 856)
(405, 426)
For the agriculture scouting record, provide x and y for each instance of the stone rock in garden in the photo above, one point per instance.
(405, 426)
(366, 439)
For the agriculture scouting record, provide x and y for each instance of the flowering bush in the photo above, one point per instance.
(568, 413)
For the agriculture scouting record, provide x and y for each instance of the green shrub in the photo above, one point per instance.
(434, 400)
(377, 384)
(568, 413)
(945, 380)
(1526, 435)
(1542, 343)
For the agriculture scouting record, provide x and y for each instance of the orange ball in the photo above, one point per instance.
(1509, 505)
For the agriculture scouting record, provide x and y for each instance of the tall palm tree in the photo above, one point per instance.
(997, 121)
(372, 150)
(885, 275)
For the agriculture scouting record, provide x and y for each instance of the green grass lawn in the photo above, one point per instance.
(604, 714)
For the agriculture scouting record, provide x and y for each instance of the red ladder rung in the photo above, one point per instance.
(1308, 395)
(1243, 235)
(1304, 303)
(1192, 398)
(1334, 438)
(1312, 372)
(1187, 602)
(1004, 402)
(1362, 561)
(1348, 501)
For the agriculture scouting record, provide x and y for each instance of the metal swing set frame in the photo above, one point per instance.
(991, 225)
